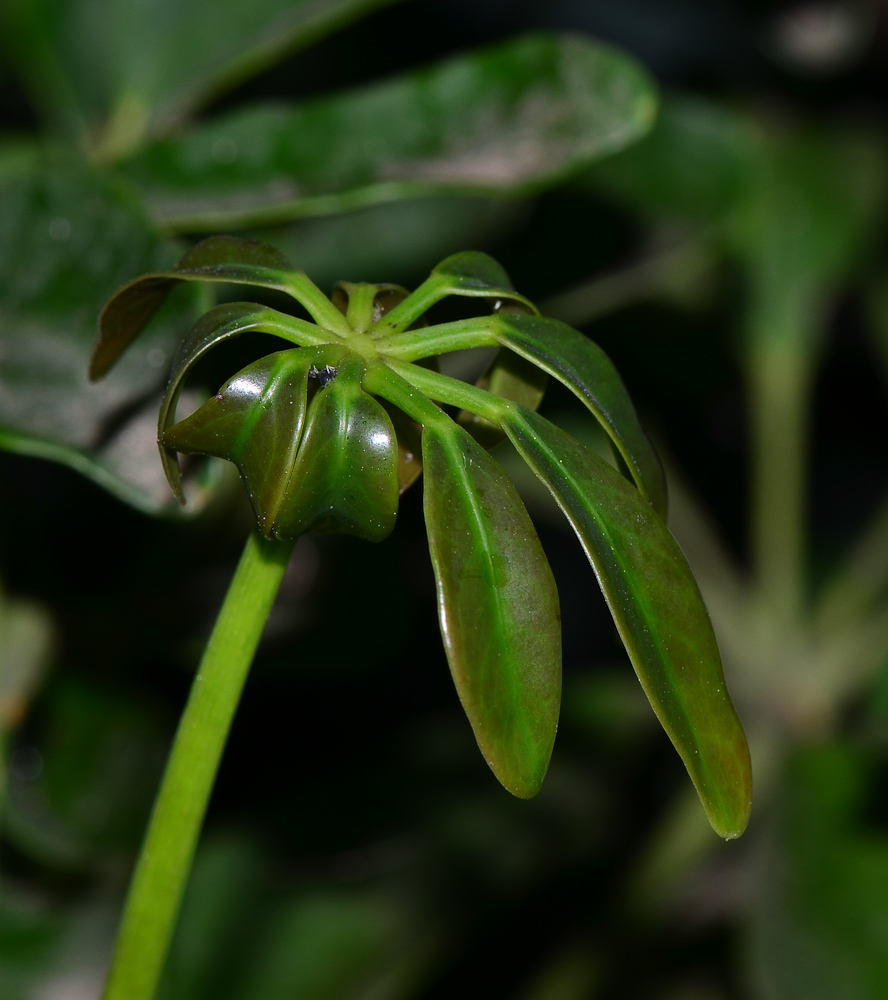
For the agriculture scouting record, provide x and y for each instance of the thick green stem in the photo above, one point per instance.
(164, 863)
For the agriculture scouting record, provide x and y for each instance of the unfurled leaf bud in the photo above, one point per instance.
(330, 464)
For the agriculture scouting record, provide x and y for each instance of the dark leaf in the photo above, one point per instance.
(498, 607)
(221, 323)
(658, 611)
(225, 259)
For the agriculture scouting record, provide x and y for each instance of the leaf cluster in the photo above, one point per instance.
(329, 459)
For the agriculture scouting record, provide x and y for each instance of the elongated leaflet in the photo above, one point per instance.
(657, 608)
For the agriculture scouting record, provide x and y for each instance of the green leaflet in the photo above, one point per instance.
(588, 372)
(657, 609)
(255, 420)
(225, 259)
(498, 606)
(560, 351)
(817, 912)
(221, 323)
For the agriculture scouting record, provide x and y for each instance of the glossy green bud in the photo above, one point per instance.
(345, 477)
(330, 464)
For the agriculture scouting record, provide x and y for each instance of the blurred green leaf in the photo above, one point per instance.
(29, 937)
(218, 921)
(84, 791)
(501, 121)
(68, 238)
(809, 208)
(73, 959)
(498, 604)
(19, 156)
(658, 611)
(819, 925)
(796, 204)
(339, 944)
(606, 705)
(694, 164)
(114, 73)
(573, 971)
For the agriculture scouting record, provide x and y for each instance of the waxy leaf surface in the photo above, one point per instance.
(581, 365)
(507, 119)
(658, 611)
(221, 323)
(498, 606)
(225, 259)
(255, 420)
(345, 477)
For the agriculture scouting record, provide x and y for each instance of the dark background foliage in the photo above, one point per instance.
(356, 838)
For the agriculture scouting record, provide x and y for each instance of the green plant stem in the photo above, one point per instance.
(780, 377)
(165, 860)
(783, 338)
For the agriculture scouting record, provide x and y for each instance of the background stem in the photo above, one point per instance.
(780, 380)
(165, 860)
